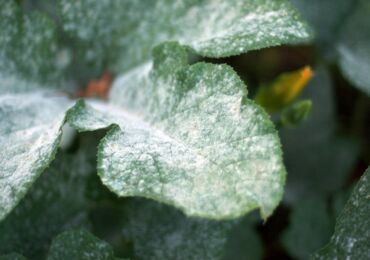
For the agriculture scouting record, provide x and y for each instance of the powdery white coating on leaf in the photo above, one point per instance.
(195, 144)
(351, 239)
(212, 28)
(79, 244)
(56, 202)
(354, 47)
(30, 129)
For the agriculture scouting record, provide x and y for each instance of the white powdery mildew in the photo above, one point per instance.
(29, 133)
(79, 244)
(211, 156)
(241, 26)
(212, 28)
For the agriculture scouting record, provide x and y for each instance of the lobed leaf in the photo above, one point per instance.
(198, 143)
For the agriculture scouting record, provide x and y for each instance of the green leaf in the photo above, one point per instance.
(243, 242)
(325, 17)
(30, 131)
(354, 47)
(195, 140)
(29, 48)
(31, 124)
(351, 239)
(12, 256)
(209, 28)
(79, 244)
(56, 202)
(310, 227)
(161, 232)
(296, 114)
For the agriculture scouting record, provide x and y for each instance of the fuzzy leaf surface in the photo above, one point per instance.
(188, 137)
(30, 130)
(210, 28)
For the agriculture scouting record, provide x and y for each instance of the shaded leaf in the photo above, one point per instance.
(56, 202)
(354, 47)
(310, 227)
(317, 158)
(79, 244)
(351, 239)
(12, 256)
(296, 114)
(161, 232)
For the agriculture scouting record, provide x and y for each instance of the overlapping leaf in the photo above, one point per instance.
(30, 130)
(317, 158)
(211, 28)
(195, 141)
(57, 202)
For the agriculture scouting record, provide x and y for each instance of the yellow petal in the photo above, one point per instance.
(283, 90)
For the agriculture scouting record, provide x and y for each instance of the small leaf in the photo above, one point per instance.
(79, 244)
(283, 90)
(351, 239)
(296, 114)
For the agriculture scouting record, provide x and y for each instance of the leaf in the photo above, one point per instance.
(161, 232)
(353, 47)
(158, 231)
(30, 131)
(12, 256)
(196, 143)
(318, 159)
(325, 17)
(56, 202)
(309, 229)
(296, 114)
(243, 242)
(79, 244)
(29, 49)
(45, 117)
(351, 239)
(209, 28)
